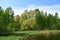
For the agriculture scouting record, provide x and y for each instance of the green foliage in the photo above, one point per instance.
(6, 20)
(9, 18)
(23, 16)
(45, 21)
(2, 27)
(17, 22)
(40, 19)
(29, 24)
(29, 20)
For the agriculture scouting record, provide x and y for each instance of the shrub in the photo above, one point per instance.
(44, 36)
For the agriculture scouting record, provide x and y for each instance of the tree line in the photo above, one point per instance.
(29, 20)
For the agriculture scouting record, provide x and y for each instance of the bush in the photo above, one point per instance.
(44, 36)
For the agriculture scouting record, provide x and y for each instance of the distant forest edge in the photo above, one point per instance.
(29, 20)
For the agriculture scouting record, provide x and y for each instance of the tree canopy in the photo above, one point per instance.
(29, 20)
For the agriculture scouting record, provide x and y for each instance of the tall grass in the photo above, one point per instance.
(33, 35)
(44, 36)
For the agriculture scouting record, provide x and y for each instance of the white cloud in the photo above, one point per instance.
(18, 11)
(49, 9)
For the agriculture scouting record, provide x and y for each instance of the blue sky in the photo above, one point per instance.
(24, 3)
(20, 5)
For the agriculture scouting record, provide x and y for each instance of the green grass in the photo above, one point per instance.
(8, 37)
(22, 34)
(28, 32)
(36, 32)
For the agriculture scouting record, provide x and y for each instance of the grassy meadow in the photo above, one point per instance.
(20, 35)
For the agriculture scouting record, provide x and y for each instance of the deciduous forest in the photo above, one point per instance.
(45, 25)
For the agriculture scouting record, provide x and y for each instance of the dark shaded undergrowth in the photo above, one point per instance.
(44, 36)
